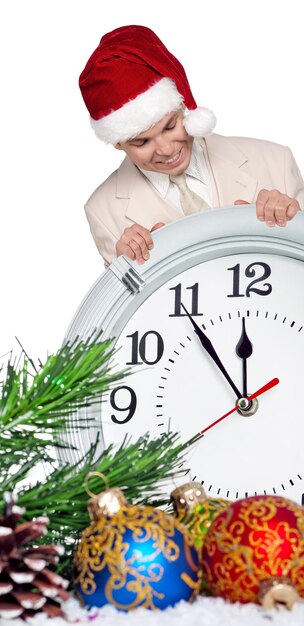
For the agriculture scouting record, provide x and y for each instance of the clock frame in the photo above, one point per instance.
(191, 242)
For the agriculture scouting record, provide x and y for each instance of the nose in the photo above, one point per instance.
(163, 146)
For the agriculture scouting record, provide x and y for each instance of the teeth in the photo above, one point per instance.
(174, 158)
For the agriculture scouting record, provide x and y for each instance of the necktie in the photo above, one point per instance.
(190, 201)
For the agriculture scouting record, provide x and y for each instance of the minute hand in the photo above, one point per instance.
(206, 343)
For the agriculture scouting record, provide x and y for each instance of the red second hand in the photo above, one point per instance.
(266, 387)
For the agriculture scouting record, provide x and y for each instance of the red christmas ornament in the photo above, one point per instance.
(254, 547)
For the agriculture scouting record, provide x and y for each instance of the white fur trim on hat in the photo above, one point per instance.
(139, 114)
(199, 122)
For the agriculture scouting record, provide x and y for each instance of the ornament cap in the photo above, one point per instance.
(185, 497)
(106, 504)
(278, 593)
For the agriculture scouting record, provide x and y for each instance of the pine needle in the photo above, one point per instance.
(34, 406)
(141, 469)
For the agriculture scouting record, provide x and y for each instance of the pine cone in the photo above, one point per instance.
(26, 586)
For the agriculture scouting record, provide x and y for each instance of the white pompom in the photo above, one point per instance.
(199, 122)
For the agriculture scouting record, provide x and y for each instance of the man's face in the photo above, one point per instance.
(165, 148)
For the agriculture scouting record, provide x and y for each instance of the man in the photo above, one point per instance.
(140, 101)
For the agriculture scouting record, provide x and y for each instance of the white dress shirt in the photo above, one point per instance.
(197, 177)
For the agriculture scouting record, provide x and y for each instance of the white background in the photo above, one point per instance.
(243, 59)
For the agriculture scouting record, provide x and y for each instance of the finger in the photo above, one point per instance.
(293, 209)
(142, 237)
(125, 250)
(279, 203)
(277, 208)
(129, 243)
(286, 209)
(263, 207)
(237, 202)
(132, 250)
(157, 226)
(139, 249)
(139, 241)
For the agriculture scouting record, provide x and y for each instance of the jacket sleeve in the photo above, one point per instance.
(104, 239)
(294, 183)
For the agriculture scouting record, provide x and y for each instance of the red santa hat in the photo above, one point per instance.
(131, 81)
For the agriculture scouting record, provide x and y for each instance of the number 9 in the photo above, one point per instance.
(131, 407)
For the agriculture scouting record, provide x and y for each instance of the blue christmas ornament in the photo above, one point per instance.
(134, 556)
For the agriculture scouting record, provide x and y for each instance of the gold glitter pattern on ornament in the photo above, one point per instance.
(250, 542)
(199, 519)
(103, 546)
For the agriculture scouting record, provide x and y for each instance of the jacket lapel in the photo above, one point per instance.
(230, 182)
(145, 206)
(227, 165)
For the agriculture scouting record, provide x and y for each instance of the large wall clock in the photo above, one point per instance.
(215, 315)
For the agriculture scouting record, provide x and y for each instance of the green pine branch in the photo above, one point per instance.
(141, 469)
(34, 407)
(63, 384)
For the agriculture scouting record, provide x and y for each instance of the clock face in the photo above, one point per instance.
(175, 384)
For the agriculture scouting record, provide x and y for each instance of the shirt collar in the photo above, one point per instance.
(196, 169)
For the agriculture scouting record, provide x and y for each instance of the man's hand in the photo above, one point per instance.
(274, 207)
(136, 241)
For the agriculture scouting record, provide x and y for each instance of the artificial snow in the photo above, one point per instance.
(203, 612)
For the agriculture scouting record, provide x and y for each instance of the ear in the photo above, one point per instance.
(118, 146)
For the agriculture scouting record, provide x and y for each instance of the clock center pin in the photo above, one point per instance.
(247, 407)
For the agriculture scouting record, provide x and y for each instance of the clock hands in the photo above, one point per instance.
(239, 404)
(206, 343)
(244, 351)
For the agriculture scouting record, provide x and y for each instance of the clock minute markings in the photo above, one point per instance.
(207, 345)
(263, 321)
(259, 392)
(160, 406)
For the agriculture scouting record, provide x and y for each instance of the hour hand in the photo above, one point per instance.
(244, 351)
(207, 345)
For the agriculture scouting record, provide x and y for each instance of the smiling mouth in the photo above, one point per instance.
(173, 160)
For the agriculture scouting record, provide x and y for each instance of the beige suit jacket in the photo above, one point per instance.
(238, 168)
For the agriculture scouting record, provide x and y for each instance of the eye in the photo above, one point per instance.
(171, 125)
(138, 143)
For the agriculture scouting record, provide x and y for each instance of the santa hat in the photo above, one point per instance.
(132, 81)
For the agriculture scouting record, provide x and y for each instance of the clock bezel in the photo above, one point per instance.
(109, 304)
